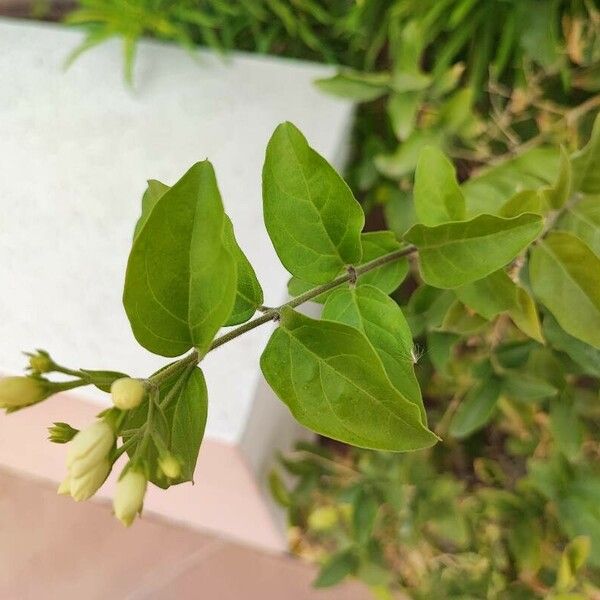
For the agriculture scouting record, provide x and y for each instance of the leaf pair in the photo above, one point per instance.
(186, 275)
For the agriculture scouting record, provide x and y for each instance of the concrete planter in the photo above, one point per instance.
(76, 148)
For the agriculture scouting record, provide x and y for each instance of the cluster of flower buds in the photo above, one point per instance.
(92, 451)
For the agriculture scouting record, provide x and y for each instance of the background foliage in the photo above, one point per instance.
(507, 505)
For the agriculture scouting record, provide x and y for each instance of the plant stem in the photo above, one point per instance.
(273, 313)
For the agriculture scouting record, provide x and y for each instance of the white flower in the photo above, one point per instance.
(127, 393)
(129, 497)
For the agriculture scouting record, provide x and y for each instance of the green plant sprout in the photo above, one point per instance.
(349, 375)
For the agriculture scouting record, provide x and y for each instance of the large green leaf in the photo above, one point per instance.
(437, 195)
(179, 417)
(334, 383)
(565, 277)
(311, 215)
(387, 278)
(583, 219)
(249, 294)
(180, 283)
(457, 253)
(586, 164)
(375, 314)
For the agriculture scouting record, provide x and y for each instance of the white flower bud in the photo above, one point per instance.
(87, 461)
(129, 496)
(89, 447)
(85, 486)
(169, 465)
(16, 392)
(127, 393)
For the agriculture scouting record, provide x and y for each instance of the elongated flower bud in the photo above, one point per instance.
(16, 392)
(129, 496)
(127, 393)
(87, 461)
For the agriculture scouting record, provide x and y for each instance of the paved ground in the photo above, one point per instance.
(56, 549)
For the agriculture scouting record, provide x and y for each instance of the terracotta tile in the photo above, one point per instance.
(56, 549)
(235, 573)
(52, 547)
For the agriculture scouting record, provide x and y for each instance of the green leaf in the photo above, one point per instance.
(387, 278)
(404, 160)
(152, 195)
(525, 540)
(311, 215)
(497, 293)
(565, 277)
(381, 320)
(583, 220)
(180, 423)
(488, 191)
(587, 357)
(526, 387)
(457, 253)
(557, 195)
(461, 320)
(456, 113)
(249, 294)
(476, 409)
(365, 508)
(278, 490)
(437, 195)
(572, 560)
(402, 110)
(527, 201)
(440, 346)
(189, 422)
(360, 87)
(334, 383)
(103, 379)
(565, 426)
(180, 283)
(586, 164)
(489, 296)
(336, 569)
